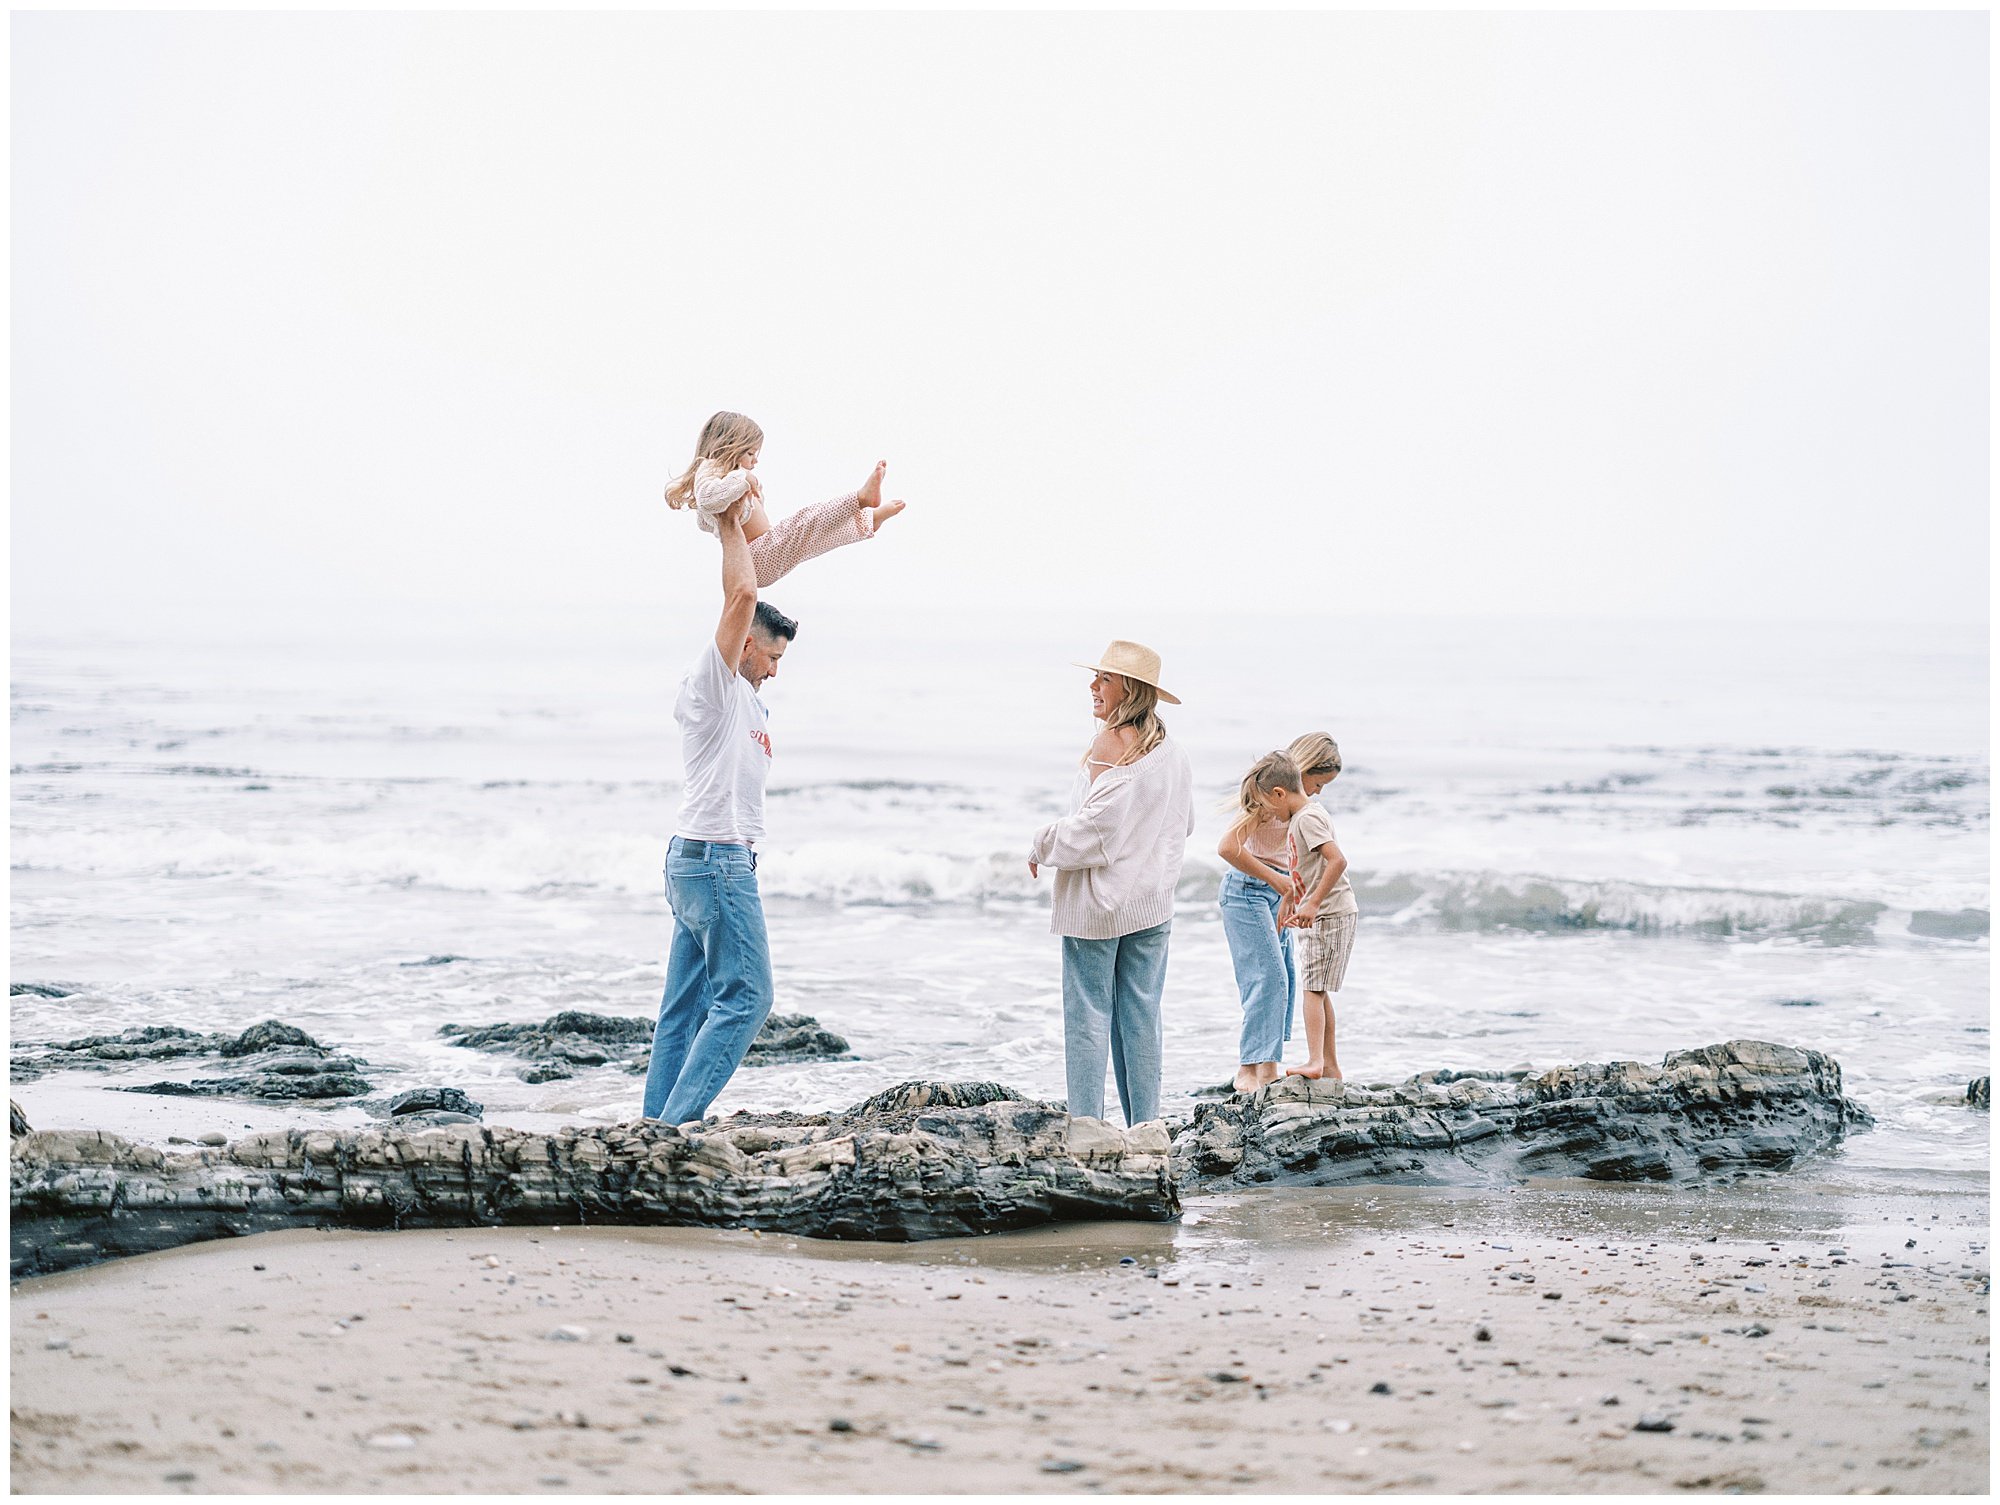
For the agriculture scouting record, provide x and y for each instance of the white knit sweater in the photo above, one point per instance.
(1118, 854)
(715, 491)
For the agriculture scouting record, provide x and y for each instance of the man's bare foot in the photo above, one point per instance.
(871, 489)
(1314, 1072)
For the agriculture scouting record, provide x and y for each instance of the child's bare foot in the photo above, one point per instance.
(886, 510)
(1315, 1072)
(871, 489)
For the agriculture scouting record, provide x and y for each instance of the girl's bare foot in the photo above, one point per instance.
(886, 510)
(871, 489)
(1314, 1072)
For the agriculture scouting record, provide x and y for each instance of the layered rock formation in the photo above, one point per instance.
(563, 1043)
(926, 1160)
(1979, 1092)
(930, 1160)
(1720, 1110)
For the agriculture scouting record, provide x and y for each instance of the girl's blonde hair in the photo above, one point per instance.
(726, 438)
(1275, 770)
(1316, 752)
(1140, 707)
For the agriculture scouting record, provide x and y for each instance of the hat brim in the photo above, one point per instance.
(1165, 694)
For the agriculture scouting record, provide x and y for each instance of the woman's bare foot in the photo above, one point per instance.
(1246, 1079)
(1315, 1072)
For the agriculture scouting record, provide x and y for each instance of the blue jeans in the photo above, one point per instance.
(1262, 956)
(1111, 1004)
(718, 978)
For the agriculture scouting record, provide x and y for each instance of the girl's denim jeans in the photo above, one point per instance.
(718, 979)
(1111, 1005)
(1265, 974)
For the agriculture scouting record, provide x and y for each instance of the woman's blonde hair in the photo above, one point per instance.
(1316, 752)
(1140, 707)
(1275, 770)
(726, 439)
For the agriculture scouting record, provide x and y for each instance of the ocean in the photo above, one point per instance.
(1570, 841)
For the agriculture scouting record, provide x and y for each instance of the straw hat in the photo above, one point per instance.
(1134, 661)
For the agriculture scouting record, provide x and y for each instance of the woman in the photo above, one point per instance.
(1117, 856)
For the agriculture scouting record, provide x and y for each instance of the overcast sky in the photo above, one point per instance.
(318, 318)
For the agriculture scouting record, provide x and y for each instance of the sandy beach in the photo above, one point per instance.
(1567, 1339)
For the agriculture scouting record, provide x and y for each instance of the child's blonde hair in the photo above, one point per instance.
(1275, 770)
(1140, 708)
(1316, 752)
(726, 439)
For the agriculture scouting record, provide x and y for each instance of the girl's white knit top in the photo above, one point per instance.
(1118, 853)
(715, 491)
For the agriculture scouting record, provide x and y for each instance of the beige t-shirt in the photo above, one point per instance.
(1311, 829)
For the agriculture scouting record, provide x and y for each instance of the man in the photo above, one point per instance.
(719, 971)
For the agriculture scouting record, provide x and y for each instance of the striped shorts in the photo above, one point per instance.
(1323, 949)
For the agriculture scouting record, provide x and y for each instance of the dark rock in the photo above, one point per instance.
(17, 1121)
(270, 1035)
(840, 1424)
(790, 1037)
(272, 1061)
(288, 1079)
(435, 961)
(548, 1071)
(434, 1100)
(153, 1042)
(1720, 1110)
(1380, 1387)
(1979, 1092)
(37, 990)
(1653, 1421)
(572, 1039)
(429, 1118)
(926, 1160)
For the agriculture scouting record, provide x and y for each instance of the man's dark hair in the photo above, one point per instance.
(773, 624)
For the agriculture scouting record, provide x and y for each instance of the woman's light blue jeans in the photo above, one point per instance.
(718, 978)
(1266, 976)
(1111, 1005)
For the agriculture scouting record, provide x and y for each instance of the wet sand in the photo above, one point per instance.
(1274, 1342)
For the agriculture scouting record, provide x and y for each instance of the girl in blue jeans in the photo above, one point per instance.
(1256, 899)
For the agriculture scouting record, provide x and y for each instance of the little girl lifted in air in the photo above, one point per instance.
(723, 473)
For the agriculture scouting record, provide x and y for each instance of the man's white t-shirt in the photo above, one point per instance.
(726, 750)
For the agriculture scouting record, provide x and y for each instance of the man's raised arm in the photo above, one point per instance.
(739, 588)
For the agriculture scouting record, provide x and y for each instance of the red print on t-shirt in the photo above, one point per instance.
(763, 740)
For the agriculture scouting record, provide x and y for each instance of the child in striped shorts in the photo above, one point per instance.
(1326, 915)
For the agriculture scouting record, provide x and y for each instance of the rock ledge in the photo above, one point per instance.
(1720, 1110)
